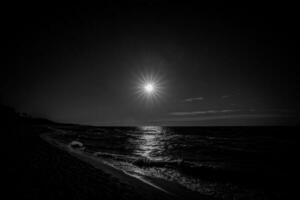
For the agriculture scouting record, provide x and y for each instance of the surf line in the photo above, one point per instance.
(140, 178)
(73, 152)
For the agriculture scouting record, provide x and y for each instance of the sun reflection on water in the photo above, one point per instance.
(150, 142)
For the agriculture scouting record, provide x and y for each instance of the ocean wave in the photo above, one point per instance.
(207, 170)
(113, 156)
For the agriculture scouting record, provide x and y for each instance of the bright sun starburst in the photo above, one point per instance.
(150, 86)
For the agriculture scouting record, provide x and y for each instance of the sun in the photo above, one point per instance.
(149, 88)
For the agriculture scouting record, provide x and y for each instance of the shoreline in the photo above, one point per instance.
(152, 187)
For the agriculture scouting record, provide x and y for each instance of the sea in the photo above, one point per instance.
(220, 162)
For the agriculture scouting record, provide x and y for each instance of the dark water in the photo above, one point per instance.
(223, 162)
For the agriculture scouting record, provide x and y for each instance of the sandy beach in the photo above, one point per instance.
(147, 188)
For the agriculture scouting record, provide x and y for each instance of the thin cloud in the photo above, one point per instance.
(224, 116)
(194, 99)
(225, 96)
(202, 112)
(251, 110)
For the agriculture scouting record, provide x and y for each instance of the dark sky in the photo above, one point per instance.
(217, 64)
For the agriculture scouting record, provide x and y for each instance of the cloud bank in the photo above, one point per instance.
(194, 99)
(202, 112)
